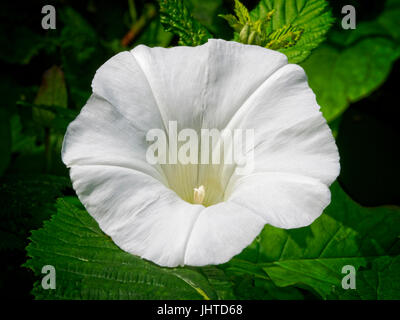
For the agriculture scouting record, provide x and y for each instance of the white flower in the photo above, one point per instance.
(199, 214)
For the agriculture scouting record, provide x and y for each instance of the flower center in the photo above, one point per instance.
(199, 195)
(197, 184)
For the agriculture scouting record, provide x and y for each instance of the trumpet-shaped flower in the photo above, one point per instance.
(199, 214)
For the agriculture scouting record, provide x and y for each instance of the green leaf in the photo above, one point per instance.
(248, 287)
(233, 22)
(313, 257)
(218, 280)
(177, 19)
(389, 19)
(90, 266)
(52, 92)
(380, 282)
(307, 20)
(355, 62)
(205, 12)
(341, 77)
(241, 12)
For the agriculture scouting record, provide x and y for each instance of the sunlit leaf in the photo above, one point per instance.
(312, 17)
(176, 18)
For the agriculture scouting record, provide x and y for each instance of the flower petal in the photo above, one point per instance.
(177, 77)
(291, 135)
(203, 86)
(218, 85)
(123, 84)
(283, 200)
(100, 135)
(235, 73)
(221, 232)
(140, 214)
(295, 155)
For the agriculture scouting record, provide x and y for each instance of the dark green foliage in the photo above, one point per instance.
(5, 140)
(25, 201)
(81, 54)
(349, 71)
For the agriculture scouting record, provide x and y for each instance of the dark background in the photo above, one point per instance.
(368, 134)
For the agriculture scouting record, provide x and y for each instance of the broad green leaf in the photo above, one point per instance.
(176, 18)
(219, 282)
(52, 92)
(313, 257)
(380, 282)
(389, 19)
(340, 77)
(90, 266)
(354, 62)
(248, 287)
(312, 17)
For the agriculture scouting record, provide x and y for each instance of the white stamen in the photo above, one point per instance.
(199, 195)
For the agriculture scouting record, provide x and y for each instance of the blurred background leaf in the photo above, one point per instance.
(81, 54)
(52, 92)
(353, 63)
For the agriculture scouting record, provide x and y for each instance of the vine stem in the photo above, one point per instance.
(148, 14)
